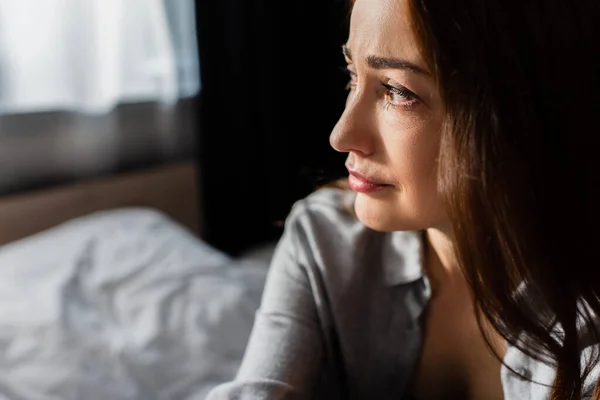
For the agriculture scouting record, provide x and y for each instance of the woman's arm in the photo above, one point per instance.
(284, 354)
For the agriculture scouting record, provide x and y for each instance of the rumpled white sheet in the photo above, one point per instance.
(121, 305)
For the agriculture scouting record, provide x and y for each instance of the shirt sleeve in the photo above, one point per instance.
(285, 350)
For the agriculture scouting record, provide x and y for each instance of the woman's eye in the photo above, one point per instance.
(396, 96)
(399, 96)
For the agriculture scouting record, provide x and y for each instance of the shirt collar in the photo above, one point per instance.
(402, 252)
(402, 257)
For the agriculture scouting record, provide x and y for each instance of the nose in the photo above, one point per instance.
(354, 130)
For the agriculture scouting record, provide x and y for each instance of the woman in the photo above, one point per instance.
(468, 266)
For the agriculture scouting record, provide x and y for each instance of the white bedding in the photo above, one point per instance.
(121, 305)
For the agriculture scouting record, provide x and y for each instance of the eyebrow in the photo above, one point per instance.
(377, 62)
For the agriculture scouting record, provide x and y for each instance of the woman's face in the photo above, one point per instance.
(391, 126)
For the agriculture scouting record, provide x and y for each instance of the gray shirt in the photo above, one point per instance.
(339, 318)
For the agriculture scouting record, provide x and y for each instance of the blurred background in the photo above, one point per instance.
(150, 151)
(94, 87)
(246, 90)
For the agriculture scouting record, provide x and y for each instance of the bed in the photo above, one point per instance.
(121, 303)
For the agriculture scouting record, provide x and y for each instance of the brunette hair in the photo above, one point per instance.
(520, 80)
(518, 170)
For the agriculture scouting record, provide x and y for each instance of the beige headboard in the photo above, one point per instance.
(171, 189)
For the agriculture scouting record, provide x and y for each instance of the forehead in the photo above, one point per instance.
(382, 28)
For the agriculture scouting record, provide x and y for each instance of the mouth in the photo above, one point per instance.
(363, 184)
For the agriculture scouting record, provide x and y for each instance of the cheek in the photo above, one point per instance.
(415, 165)
(411, 159)
(412, 152)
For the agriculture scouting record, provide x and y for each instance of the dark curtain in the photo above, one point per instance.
(272, 90)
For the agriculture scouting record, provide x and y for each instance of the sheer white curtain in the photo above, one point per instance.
(90, 55)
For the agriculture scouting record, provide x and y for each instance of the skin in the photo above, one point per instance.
(390, 136)
(391, 129)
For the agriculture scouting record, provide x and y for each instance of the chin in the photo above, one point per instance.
(383, 214)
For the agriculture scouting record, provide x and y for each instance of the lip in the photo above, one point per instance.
(362, 184)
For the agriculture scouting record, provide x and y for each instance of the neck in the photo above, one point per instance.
(449, 284)
(442, 265)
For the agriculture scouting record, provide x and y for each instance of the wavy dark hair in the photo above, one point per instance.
(518, 166)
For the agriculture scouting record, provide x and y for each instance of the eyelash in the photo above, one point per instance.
(411, 98)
